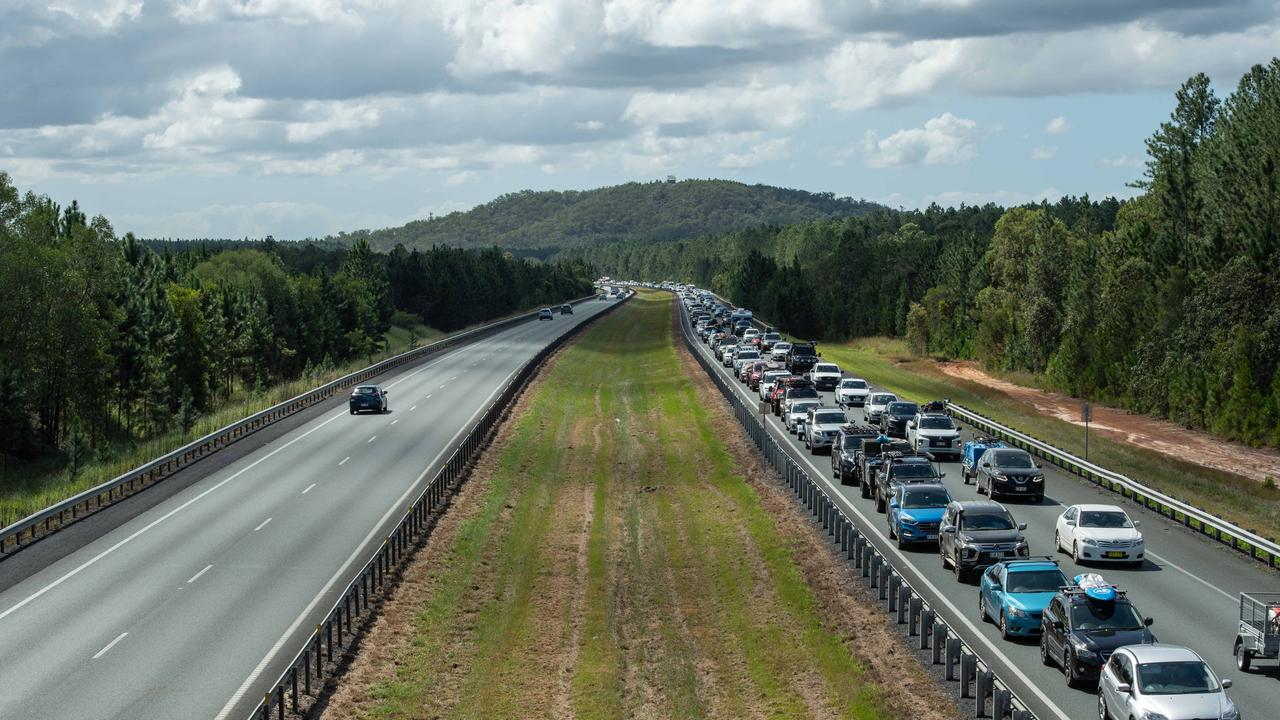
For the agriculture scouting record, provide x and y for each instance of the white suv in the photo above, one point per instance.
(934, 433)
(778, 353)
(852, 392)
(825, 376)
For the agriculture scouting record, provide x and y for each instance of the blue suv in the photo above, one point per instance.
(915, 512)
(1014, 593)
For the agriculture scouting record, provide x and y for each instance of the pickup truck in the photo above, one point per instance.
(844, 451)
(802, 357)
(934, 433)
(825, 376)
(902, 469)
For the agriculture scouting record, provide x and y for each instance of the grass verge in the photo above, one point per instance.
(887, 363)
(613, 561)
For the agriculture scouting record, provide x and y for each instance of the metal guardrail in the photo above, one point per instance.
(55, 517)
(978, 682)
(1265, 550)
(322, 652)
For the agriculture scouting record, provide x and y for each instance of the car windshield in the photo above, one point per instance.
(1011, 459)
(882, 399)
(1104, 615)
(936, 423)
(925, 498)
(825, 368)
(1186, 677)
(1104, 519)
(829, 418)
(772, 336)
(748, 355)
(903, 409)
(781, 346)
(803, 393)
(854, 384)
(802, 407)
(986, 521)
(366, 390)
(1034, 581)
(914, 470)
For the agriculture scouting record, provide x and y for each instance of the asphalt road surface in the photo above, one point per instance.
(1187, 584)
(191, 608)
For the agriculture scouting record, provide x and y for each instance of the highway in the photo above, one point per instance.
(1189, 586)
(193, 607)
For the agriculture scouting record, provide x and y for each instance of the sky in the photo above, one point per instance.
(303, 118)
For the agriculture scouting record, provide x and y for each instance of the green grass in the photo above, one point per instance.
(887, 363)
(618, 565)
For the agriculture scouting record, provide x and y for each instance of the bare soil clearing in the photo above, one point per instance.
(1166, 438)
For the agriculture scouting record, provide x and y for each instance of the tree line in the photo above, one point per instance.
(1168, 303)
(111, 338)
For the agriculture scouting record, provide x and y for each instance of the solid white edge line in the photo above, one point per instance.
(304, 492)
(415, 407)
(262, 524)
(110, 645)
(959, 616)
(396, 506)
(197, 575)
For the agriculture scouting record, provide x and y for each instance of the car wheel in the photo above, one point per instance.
(946, 564)
(1244, 657)
(982, 607)
(353, 411)
(959, 571)
(1057, 542)
(1068, 673)
(865, 489)
(880, 502)
(982, 490)
(1102, 707)
(1004, 628)
(1045, 658)
(1075, 552)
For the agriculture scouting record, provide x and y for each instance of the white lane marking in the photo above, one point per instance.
(415, 407)
(343, 461)
(455, 377)
(304, 492)
(371, 439)
(393, 422)
(93, 560)
(110, 645)
(428, 397)
(197, 575)
(342, 569)
(958, 616)
(1200, 580)
(262, 524)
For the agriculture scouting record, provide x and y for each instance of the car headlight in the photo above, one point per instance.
(907, 519)
(1038, 479)
(1153, 715)
(1088, 541)
(1083, 652)
(1019, 612)
(1232, 712)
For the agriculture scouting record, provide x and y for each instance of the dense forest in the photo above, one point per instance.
(542, 222)
(109, 338)
(1168, 303)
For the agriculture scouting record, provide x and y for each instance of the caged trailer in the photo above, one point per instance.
(972, 453)
(1258, 635)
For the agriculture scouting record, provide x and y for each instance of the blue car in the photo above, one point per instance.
(1014, 593)
(915, 511)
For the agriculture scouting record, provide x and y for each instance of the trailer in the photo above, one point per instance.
(1258, 635)
(973, 451)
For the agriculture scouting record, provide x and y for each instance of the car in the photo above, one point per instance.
(730, 354)
(852, 392)
(768, 340)
(367, 398)
(747, 354)
(874, 453)
(801, 357)
(750, 334)
(825, 376)
(844, 451)
(566, 309)
(898, 468)
(977, 534)
(896, 415)
(768, 380)
(545, 314)
(1162, 681)
(1099, 533)
(779, 351)
(796, 412)
(1084, 624)
(972, 453)
(1014, 593)
(915, 513)
(797, 389)
(821, 427)
(935, 433)
(876, 403)
(1010, 472)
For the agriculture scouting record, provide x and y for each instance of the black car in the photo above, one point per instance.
(977, 534)
(795, 391)
(802, 357)
(895, 418)
(902, 469)
(844, 451)
(368, 398)
(1010, 472)
(566, 309)
(1078, 632)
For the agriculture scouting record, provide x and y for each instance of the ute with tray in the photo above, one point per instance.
(1258, 635)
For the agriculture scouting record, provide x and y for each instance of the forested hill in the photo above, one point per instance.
(542, 222)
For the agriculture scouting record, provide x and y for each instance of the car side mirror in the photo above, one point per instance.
(948, 529)
(986, 464)
(1071, 523)
(384, 393)
(1226, 683)
(1039, 465)
(1057, 625)
(893, 502)
(1137, 523)
(1124, 688)
(1022, 526)
(941, 475)
(1148, 621)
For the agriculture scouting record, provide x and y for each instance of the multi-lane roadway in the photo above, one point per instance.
(1189, 586)
(193, 607)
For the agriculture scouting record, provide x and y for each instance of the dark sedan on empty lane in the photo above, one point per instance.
(368, 398)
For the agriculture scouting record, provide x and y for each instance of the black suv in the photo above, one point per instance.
(895, 418)
(898, 468)
(844, 451)
(370, 398)
(1078, 633)
(1010, 472)
(801, 358)
(977, 534)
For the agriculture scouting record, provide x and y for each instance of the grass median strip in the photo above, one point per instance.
(612, 561)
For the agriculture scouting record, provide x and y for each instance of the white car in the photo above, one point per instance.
(876, 404)
(797, 411)
(779, 351)
(768, 380)
(1162, 681)
(820, 428)
(1099, 533)
(825, 376)
(750, 333)
(742, 357)
(852, 392)
(934, 433)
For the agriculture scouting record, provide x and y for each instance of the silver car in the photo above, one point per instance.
(1162, 681)
(779, 351)
(876, 404)
(852, 392)
(747, 354)
(821, 427)
(794, 415)
(767, 382)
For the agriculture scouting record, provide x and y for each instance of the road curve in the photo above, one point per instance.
(191, 608)
(1187, 584)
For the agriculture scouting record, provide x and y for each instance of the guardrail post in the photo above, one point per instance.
(939, 641)
(904, 598)
(926, 627)
(853, 544)
(1001, 701)
(867, 553)
(1021, 715)
(952, 657)
(885, 573)
(968, 667)
(319, 662)
(845, 528)
(874, 571)
(986, 679)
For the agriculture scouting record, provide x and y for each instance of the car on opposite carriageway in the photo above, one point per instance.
(566, 309)
(545, 314)
(368, 398)
(1014, 593)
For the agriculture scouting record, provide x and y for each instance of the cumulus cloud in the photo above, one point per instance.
(1121, 161)
(1058, 125)
(1044, 152)
(766, 151)
(944, 140)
